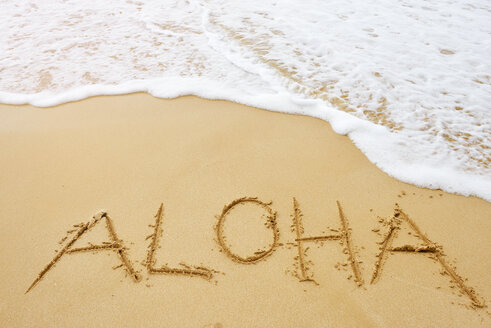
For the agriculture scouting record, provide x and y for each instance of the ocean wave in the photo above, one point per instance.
(408, 81)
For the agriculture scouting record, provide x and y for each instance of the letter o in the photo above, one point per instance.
(271, 220)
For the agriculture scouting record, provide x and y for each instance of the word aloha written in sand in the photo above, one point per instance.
(303, 271)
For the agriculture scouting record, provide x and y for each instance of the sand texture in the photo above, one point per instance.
(130, 211)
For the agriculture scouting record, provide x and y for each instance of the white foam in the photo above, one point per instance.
(415, 76)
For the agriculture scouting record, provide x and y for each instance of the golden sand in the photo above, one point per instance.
(114, 209)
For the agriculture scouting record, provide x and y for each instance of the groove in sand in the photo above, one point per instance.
(344, 235)
(271, 223)
(197, 271)
(116, 245)
(429, 248)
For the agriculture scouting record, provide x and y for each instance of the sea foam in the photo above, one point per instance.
(408, 81)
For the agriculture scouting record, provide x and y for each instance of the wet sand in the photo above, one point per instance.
(199, 213)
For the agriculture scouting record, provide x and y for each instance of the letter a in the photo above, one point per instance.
(428, 248)
(115, 245)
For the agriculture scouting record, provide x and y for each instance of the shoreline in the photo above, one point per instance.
(364, 133)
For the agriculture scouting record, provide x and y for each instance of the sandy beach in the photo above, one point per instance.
(132, 211)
